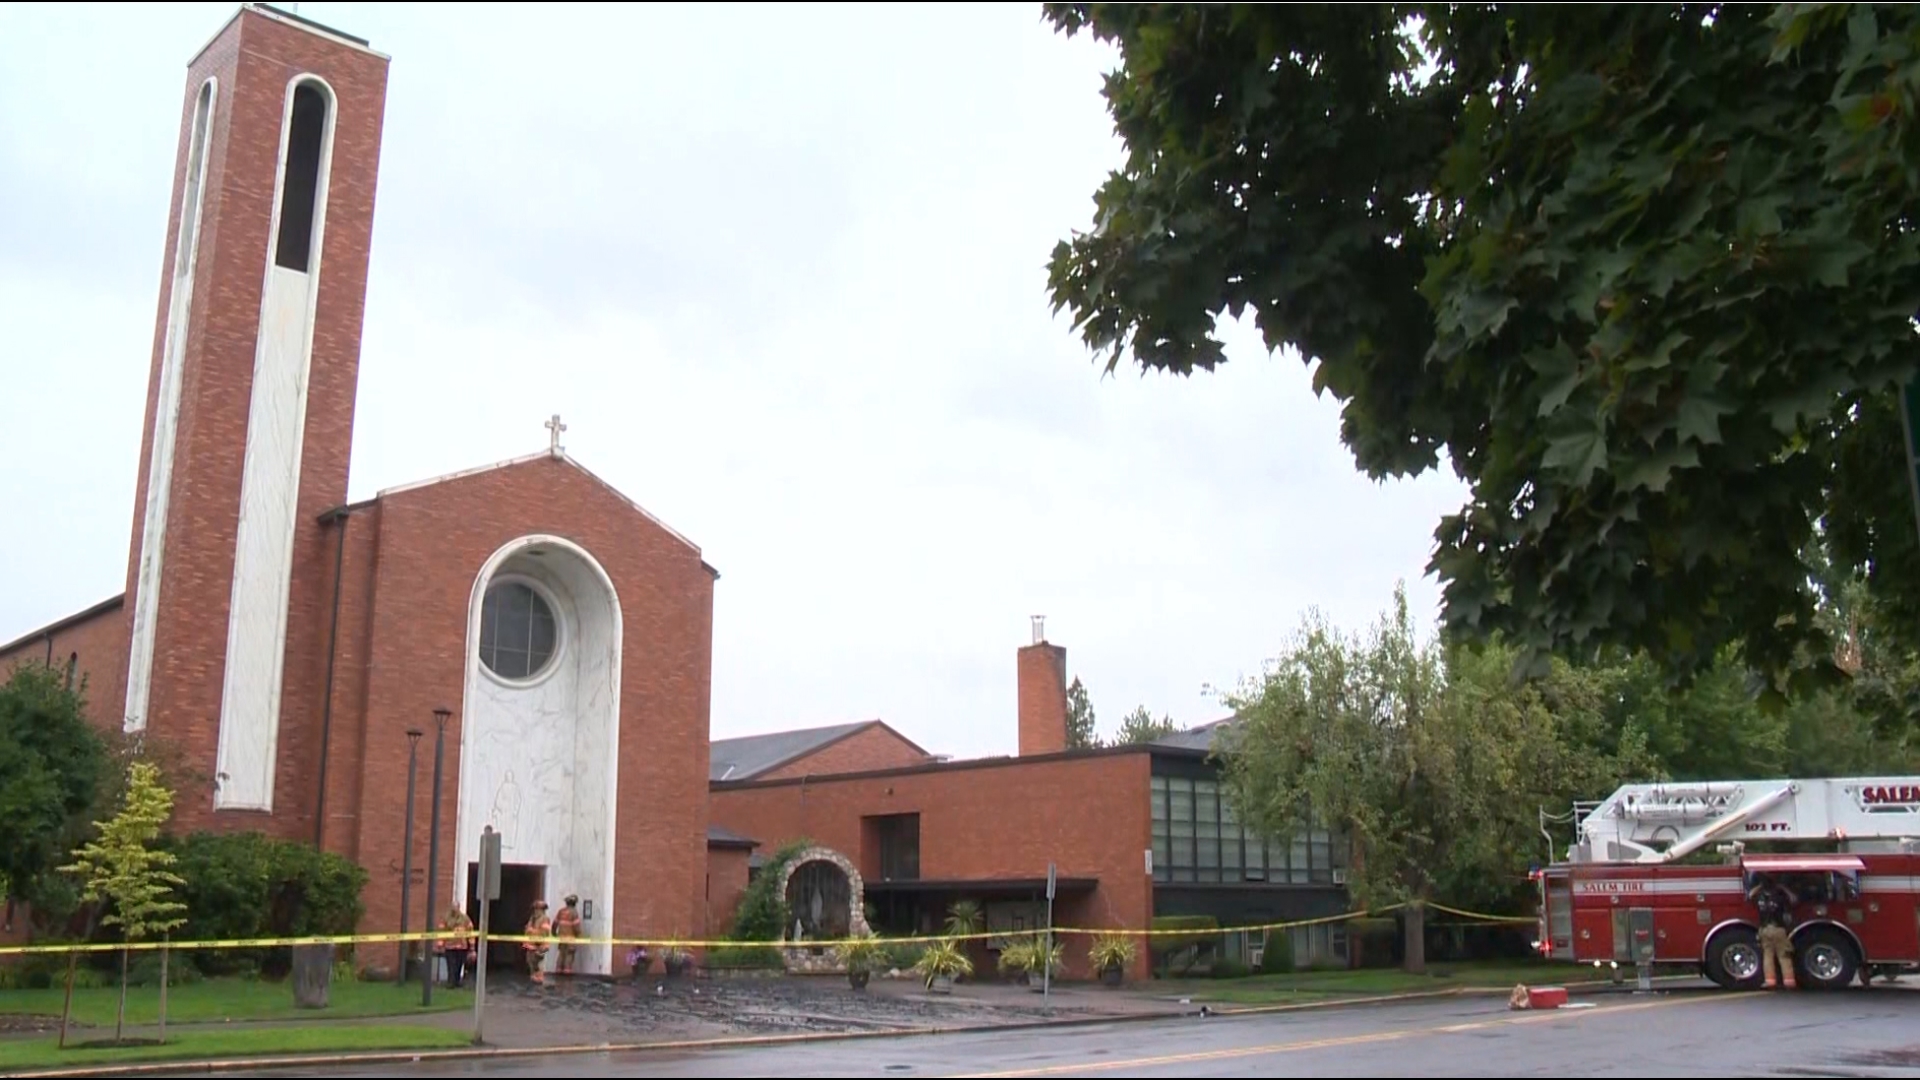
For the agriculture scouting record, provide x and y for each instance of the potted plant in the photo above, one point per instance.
(942, 963)
(861, 955)
(676, 961)
(963, 918)
(1030, 962)
(965, 921)
(1018, 960)
(1047, 965)
(1111, 955)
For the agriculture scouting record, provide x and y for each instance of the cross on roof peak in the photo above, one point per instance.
(554, 428)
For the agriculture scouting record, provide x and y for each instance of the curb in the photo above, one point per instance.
(1576, 989)
(409, 1057)
(406, 1057)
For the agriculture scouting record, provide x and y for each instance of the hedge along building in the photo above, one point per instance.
(1133, 832)
(283, 642)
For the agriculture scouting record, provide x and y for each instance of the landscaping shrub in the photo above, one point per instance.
(762, 914)
(1179, 954)
(1229, 968)
(145, 970)
(1277, 958)
(248, 885)
(903, 954)
(759, 957)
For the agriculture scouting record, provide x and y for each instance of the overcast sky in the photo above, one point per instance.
(782, 272)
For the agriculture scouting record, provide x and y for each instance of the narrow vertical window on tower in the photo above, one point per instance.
(306, 137)
(186, 245)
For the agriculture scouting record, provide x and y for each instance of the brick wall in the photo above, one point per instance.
(96, 645)
(346, 738)
(875, 747)
(432, 544)
(1087, 813)
(727, 871)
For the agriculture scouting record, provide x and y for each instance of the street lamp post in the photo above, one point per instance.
(406, 852)
(440, 718)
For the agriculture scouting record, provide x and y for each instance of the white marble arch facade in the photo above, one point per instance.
(539, 758)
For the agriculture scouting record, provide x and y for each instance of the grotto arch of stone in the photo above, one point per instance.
(827, 899)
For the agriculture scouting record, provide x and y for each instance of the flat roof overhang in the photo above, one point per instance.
(983, 885)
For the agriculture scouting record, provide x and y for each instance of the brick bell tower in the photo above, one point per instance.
(250, 408)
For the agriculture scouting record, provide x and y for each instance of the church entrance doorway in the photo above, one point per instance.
(520, 885)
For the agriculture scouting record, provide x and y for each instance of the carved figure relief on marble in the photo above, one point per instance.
(539, 750)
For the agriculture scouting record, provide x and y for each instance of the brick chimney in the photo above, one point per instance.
(1043, 695)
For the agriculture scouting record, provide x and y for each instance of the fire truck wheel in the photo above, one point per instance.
(1733, 959)
(1825, 958)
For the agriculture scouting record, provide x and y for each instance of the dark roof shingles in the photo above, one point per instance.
(750, 755)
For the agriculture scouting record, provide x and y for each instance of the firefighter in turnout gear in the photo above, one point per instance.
(566, 927)
(540, 929)
(1775, 903)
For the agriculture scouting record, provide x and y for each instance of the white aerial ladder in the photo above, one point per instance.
(1661, 823)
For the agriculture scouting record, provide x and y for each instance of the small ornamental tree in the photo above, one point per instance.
(123, 869)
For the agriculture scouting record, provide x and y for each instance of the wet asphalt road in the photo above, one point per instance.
(1869, 1033)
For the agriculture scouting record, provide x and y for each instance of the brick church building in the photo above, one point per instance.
(284, 640)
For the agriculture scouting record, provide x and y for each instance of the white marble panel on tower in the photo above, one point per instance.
(263, 550)
(257, 612)
(166, 416)
(539, 756)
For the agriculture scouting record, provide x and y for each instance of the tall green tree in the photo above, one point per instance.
(125, 870)
(1428, 759)
(51, 770)
(1081, 732)
(1644, 275)
(1141, 726)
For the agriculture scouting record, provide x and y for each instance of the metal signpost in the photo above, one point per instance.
(489, 892)
(1046, 943)
(440, 716)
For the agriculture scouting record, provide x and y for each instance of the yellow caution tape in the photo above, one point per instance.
(1479, 916)
(674, 943)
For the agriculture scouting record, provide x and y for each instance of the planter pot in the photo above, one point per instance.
(942, 984)
(858, 979)
(1110, 976)
(1026, 978)
(676, 968)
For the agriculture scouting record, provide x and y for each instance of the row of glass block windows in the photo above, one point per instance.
(1196, 838)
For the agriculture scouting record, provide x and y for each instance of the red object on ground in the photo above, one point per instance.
(1546, 997)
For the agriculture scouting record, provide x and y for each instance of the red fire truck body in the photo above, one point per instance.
(1624, 896)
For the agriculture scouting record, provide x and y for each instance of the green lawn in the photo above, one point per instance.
(216, 1000)
(1315, 985)
(45, 1053)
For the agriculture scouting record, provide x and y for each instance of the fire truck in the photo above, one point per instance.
(1640, 885)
